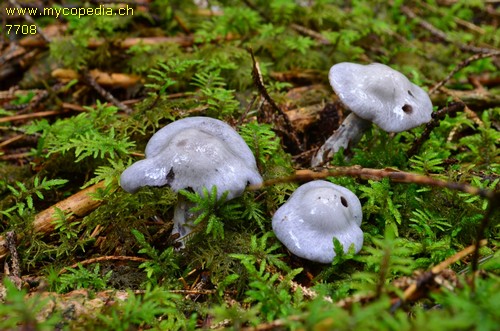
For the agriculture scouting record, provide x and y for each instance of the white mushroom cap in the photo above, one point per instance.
(316, 213)
(380, 94)
(195, 152)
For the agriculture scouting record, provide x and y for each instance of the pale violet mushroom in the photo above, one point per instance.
(374, 93)
(316, 213)
(193, 153)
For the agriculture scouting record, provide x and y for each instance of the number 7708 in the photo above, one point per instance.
(25, 29)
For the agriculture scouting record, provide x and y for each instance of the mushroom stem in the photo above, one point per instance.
(347, 135)
(183, 218)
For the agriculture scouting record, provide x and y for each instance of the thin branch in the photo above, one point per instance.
(377, 174)
(429, 276)
(11, 140)
(16, 156)
(257, 78)
(311, 33)
(105, 94)
(104, 259)
(462, 65)
(441, 35)
(31, 116)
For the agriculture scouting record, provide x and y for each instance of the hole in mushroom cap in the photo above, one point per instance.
(409, 92)
(344, 202)
(170, 176)
(407, 109)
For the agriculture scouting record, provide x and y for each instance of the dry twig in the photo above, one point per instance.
(377, 174)
(462, 65)
(441, 35)
(104, 259)
(430, 275)
(105, 94)
(257, 78)
(311, 33)
(31, 116)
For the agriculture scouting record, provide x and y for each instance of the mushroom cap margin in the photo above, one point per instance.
(380, 94)
(206, 152)
(313, 215)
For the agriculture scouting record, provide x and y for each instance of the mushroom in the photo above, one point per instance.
(374, 93)
(316, 213)
(194, 153)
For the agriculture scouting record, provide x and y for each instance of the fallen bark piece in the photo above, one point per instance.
(76, 206)
(302, 118)
(103, 78)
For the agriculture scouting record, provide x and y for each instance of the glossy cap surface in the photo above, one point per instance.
(316, 213)
(382, 95)
(195, 152)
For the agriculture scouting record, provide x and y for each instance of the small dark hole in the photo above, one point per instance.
(407, 109)
(170, 176)
(409, 92)
(344, 202)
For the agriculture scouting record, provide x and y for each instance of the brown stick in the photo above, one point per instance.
(15, 156)
(413, 288)
(11, 140)
(462, 65)
(368, 173)
(257, 78)
(105, 258)
(311, 33)
(30, 116)
(79, 205)
(105, 94)
(441, 35)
